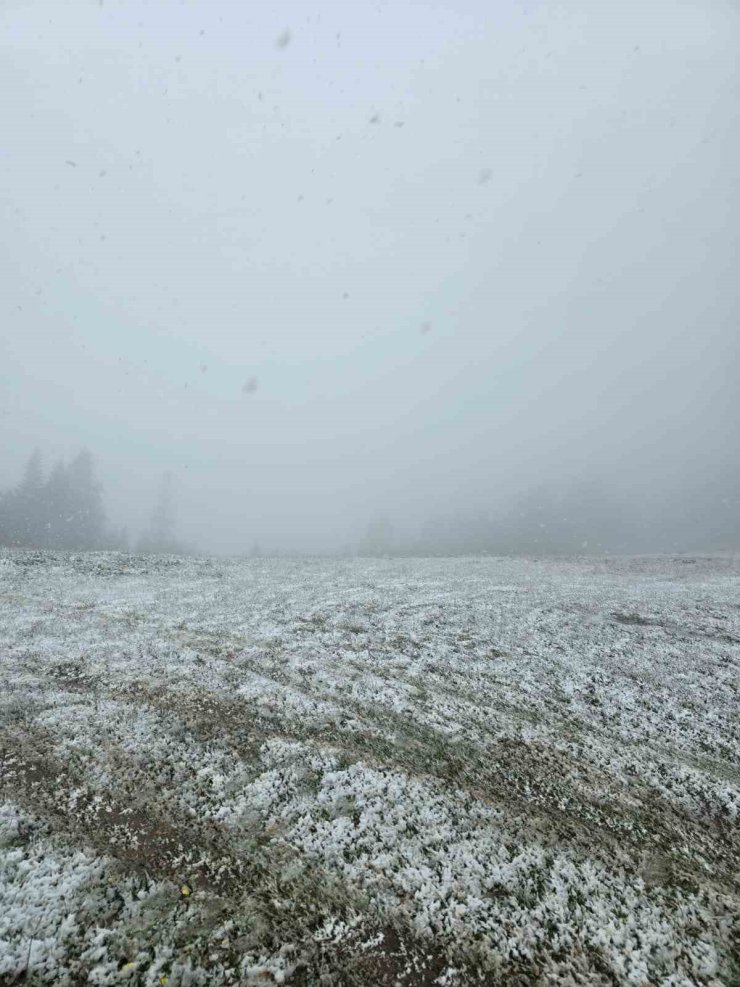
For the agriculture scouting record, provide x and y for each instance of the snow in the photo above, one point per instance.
(521, 767)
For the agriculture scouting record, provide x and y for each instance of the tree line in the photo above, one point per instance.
(583, 516)
(64, 509)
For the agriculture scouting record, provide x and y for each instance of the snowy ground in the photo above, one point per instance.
(370, 772)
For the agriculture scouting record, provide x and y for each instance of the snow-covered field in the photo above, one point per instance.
(370, 772)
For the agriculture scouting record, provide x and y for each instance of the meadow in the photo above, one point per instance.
(369, 771)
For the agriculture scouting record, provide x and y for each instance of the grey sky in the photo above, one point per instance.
(550, 186)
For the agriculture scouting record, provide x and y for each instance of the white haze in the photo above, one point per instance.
(329, 261)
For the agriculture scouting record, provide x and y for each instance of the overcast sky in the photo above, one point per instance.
(327, 260)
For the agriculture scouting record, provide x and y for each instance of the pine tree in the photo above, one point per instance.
(65, 511)
(5, 519)
(379, 537)
(87, 521)
(160, 534)
(25, 510)
(58, 508)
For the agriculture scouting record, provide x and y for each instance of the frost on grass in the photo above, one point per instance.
(416, 772)
(67, 915)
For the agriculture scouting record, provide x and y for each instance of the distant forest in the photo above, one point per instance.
(64, 510)
(574, 518)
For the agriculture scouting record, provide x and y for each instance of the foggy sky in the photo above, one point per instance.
(457, 248)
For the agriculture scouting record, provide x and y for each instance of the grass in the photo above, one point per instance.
(372, 772)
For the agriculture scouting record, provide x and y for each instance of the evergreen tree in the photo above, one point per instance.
(65, 511)
(160, 533)
(23, 511)
(4, 519)
(59, 508)
(379, 537)
(86, 524)
(118, 541)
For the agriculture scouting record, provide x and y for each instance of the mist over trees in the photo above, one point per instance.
(159, 536)
(379, 538)
(577, 517)
(62, 510)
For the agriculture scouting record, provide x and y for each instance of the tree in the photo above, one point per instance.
(118, 541)
(379, 537)
(160, 533)
(86, 524)
(58, 507)
(65, 510)
(4, 519)
(22, 507)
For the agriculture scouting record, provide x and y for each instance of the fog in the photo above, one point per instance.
(331, 263)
